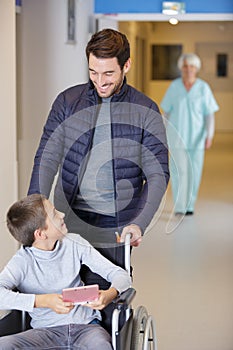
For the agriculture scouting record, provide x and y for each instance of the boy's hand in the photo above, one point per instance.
(54, 302)
(105, 298)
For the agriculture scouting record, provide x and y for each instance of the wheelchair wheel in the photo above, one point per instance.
(139, 323)
(143, 334)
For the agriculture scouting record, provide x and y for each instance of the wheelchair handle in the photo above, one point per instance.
(127, 252)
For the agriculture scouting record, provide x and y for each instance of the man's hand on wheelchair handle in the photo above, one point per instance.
(135, 234)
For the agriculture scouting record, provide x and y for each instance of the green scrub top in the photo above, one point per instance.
(187, 111)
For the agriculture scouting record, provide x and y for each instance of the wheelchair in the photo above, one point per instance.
(130, 329)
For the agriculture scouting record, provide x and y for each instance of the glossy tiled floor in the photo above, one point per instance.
(183, 270)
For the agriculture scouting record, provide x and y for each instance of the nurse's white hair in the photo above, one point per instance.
(191, 59)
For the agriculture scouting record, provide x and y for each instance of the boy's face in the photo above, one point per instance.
(106, 75)
(56, 227)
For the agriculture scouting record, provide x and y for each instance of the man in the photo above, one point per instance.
(48, 261)
(107, 142)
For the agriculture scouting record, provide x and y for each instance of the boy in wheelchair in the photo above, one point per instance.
(48, 261)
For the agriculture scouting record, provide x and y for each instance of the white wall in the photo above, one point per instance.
(8, 169)
(46, 66)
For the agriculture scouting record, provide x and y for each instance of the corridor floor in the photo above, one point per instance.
(183, 270)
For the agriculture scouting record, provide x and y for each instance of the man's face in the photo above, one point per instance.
(106, 75)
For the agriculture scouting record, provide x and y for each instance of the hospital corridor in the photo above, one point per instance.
(183, 268)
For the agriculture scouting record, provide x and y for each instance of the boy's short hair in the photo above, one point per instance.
(109, 43)
(25, 216)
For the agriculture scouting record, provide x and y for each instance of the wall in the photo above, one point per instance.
(8, 169)
(46, 66)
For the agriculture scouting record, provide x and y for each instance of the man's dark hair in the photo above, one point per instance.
(109, 43)
(26, 216)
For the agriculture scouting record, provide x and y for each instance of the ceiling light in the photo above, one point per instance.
(173, 21)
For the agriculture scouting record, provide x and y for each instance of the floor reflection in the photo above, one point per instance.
(183, 271)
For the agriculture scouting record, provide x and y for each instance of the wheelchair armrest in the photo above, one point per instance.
(10, 322)
(125, 298)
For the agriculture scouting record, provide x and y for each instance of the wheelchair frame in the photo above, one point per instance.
(139, 325)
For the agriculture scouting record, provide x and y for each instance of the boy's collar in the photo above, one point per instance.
(43, 245)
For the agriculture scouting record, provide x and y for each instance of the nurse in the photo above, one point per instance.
(189, 106)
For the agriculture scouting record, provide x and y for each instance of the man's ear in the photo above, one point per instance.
(127, 66)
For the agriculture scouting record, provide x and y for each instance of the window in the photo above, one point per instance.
(164, 61)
